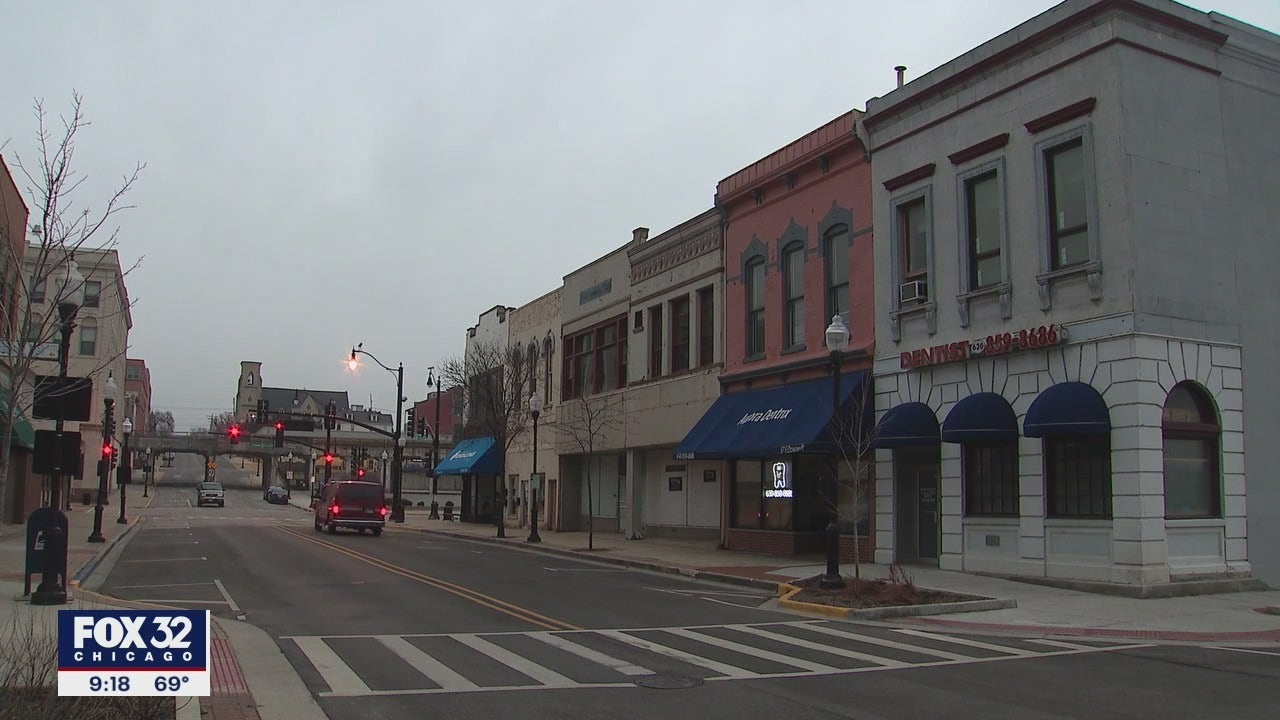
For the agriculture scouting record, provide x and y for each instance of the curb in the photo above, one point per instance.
(786, 590)
(1102, 632)
(692, 573)
(92, 564)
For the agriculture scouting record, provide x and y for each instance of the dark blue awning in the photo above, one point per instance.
(477, 456)
(907, 424)
(774, 421)
(981, 417)
(1069, 408)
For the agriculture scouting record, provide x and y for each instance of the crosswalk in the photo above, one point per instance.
(362, 665)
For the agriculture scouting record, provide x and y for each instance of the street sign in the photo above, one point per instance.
(41, 351)
(535, 480)
(213, 464)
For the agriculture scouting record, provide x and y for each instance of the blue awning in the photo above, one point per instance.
(477, 456)
(907, 424)
(981, 417)
(1069, 408)
(774, 421)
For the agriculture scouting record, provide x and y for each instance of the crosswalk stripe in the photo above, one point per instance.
(1057, 644)
(829, 649)
(516, 662)
(871, 640)
(587, 653)
(967, 642)
(748, 650)
(435, 670)
(715, 665)
(339, 676)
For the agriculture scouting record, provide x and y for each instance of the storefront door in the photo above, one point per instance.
(918, 507)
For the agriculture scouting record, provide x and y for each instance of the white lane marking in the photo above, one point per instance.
(752, 651)
(227, 597)
(339, 676)
(587, 653)
(886, 643)
(966, 642)
(188, 502)
(733, 593)
(722, 668)
(138, 587)
(600, 570)
(178, 559)
(1056, 644)
(1246, 650)
(516, 662)
(178, 601)
(829, 649)
(435, 670)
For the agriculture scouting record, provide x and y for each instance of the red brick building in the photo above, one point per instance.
(22, 489)
(450, 422)
(797, 250)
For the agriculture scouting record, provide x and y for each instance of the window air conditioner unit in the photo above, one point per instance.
(913, 291)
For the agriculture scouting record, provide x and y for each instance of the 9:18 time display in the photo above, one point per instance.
(109, 683)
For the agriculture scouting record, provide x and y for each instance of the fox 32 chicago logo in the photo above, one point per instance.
(133, 652)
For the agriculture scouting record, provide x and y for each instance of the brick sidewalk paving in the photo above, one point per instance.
(229, 698)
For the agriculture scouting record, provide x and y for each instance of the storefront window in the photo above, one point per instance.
(1191, 479)
(991, 478)
(747, 497)
(1078, 474)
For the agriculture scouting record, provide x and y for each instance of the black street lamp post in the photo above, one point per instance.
(52, 590)
(435, 442)
(837, 342)
(146, 476)
(124, 472)
(535, 410)
(397, 449)
(104, 471)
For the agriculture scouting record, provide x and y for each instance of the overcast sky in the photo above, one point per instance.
(321, 173)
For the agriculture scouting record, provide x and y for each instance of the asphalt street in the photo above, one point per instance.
(416, 625)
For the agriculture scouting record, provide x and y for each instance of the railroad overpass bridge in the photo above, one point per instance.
(301, 445)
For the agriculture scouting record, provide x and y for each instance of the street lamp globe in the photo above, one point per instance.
(109, 389)
(384, 456)
(127, 426)
(70, 290)
(402, 441)
(837, 335)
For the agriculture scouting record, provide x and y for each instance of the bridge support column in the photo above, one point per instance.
(266, 472)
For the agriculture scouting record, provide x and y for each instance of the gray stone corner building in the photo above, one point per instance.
(1076, 308)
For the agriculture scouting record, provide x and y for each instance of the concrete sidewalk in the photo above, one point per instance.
(1040, 610)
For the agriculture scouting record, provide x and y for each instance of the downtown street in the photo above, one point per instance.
(414, 624)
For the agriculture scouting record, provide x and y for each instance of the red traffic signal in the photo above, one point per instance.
(328, 459)
(107, 450)
(234, 433)
(279, 426)
(360, 472)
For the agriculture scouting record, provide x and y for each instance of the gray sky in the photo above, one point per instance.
(322, 173)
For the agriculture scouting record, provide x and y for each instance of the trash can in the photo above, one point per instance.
(448, 510)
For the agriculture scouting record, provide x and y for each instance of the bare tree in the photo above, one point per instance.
(160, 423)
(61, 227)
(221, 422)
(854, 434)
(494, 393)
(584, 423)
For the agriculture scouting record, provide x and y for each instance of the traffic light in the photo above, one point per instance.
(360, 473)
(408, 419)
(107, 450)
(233, 433)
(330, 416)
(328, 458)
(279, 434)
(422, 427)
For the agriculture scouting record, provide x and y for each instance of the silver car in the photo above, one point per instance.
(210, 493)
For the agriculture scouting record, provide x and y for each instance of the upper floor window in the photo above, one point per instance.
(754, 281)
(88, 338)
(982, 230)
(706, 326)
(680, 334)
(132, 372)
(531, 354)
(548, 349)
(836, 256)
(92, 293)
(1068, 206)
(913, 240)
(37, 291)
(655, 341)
(596, 359)
(793, 294)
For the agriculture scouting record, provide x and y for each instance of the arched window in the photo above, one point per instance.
(793, 295)
(836, 259)
(532, 353)
(1192, 480)
(753, 279)
(548, 349)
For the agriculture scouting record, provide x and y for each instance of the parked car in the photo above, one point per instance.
(210, 493)
(276, 495)
(351, 504)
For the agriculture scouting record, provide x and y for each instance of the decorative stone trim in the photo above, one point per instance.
(677, 254)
